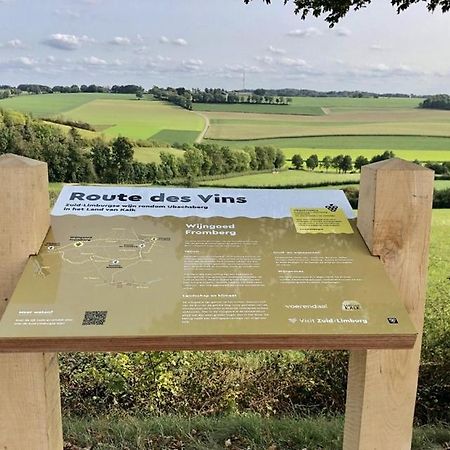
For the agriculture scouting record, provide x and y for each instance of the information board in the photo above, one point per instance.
(126, 268)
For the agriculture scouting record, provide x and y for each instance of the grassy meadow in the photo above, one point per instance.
(284, 178)
(51, 105)
(246, 432)
(151, 154)
(293, 108)
(321, 125)
(138, 119)
(348, 125)
(114, 115)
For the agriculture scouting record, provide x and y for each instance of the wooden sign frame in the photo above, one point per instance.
(394, 219)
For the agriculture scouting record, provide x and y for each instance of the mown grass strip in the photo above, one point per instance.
(248, 432)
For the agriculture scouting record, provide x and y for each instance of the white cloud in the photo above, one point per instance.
(178, 41)
(192, 64)
(94, 61)
(276, 51)
(343, 31)
(269, 60)
(165, 58)
(13, 43)
(293, 62)
(22, 62)
(382, 70)
(67, 41)
(26, 61)
(306, 32)
(120, 40)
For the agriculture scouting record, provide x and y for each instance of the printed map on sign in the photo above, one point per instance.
(149, 263)
(127, 252)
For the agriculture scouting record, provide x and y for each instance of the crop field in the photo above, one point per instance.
(52, 105)
(292, 109)
(380, 121)
(366, 126)
(136, 119)
(284, 178)
(114, 115)
(353, 126)
(151, 154)
(440, 185)
(407, 147)
(409, 155)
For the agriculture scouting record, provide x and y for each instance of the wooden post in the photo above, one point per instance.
(30, 411)
(394, 218)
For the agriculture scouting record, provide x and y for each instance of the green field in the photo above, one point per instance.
(440, 185)
(377, 121)
(114, 115)
(283, 178)
(407, 147)
(353, 126)
(350, 126)
(151, 154)
(136, 119)
(52, 105)
(409, 155)
(293, 108)
(340, 103)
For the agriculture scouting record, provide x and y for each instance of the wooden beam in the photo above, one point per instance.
(394, 218)
(30, 408)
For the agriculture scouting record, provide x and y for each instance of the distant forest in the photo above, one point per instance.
(198, 94)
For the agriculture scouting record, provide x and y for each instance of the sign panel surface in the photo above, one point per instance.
(127, 268)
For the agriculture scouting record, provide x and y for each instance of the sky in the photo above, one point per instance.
(213, 43)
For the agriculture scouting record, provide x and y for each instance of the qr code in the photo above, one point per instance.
(94, 317)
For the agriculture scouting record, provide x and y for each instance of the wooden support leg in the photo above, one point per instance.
(394, 219)
(30, 411)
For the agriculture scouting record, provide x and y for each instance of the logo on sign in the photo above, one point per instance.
(331, 207)
(351, 305)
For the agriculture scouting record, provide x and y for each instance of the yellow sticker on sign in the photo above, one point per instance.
(330, 219)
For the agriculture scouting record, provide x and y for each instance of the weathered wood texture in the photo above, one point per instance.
(29, 382)
(394, 219)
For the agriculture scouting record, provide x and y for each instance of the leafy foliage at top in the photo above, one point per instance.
(336, 10)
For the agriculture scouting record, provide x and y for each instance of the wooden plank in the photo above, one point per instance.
(394, 219)
(29, 382)
(217, 342)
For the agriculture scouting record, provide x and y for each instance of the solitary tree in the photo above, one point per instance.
(280, 159)
(360, 161)
(336, 162)
(297, 161)
(122, 158)
(346, 163)
(312, 162)
(326, 162)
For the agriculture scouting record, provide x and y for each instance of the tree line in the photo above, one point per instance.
(185, 98)
(8, 91)
(342, 163)
(72, 159)
(291, 92)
